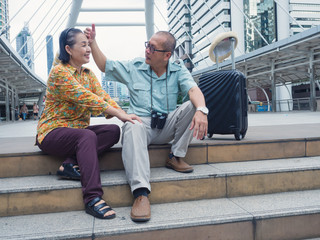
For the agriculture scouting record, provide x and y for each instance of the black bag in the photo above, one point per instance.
(227, 100)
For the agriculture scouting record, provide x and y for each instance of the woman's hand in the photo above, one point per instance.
(90, 33)
(122, 115)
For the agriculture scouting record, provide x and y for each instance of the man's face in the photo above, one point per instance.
(156, 57)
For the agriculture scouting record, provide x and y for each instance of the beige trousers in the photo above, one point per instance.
(136, 138)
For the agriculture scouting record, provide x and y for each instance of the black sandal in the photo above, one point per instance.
(95, 210)
(70, 171)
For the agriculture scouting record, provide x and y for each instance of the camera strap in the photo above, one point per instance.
(166, 89)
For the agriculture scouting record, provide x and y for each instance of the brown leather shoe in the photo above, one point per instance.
(178, 165)
(141, 211)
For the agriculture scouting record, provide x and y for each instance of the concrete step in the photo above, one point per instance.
(44, 194)
(291, 215)
(28, 160)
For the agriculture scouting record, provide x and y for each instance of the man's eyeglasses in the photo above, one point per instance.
(152, 49)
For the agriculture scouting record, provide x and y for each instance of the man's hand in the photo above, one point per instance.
(200, 125)
(90, 33)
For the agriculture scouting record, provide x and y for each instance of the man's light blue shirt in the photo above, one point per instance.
(137, 76)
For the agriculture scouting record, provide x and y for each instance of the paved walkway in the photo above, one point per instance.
(17, 137)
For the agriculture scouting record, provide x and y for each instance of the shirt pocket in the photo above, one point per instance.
(142, 95)
(172, 96)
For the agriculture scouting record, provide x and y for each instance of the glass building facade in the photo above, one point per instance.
(261, 14)
(49, 52)
(4, 17)
(24, 43)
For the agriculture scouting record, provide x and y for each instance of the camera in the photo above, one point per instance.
(158, 119)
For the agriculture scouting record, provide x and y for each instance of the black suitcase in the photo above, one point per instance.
(226, 98)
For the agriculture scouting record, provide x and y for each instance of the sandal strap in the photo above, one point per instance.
(98, 207)
(70, 166)
(94, 201)
(104, 211)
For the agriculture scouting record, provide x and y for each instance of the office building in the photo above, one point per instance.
(4, 18)
(306, 14)
(49, 52)
(114, 89)
(24, 44)
(256, 22)
(179, 21)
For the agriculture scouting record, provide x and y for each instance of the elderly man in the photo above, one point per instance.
(154, 83)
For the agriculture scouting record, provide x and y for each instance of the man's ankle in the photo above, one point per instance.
(140, 192)
(171, 155)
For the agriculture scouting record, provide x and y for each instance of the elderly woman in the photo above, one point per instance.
(73, 94)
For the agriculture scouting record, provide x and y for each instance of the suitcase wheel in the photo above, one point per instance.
(239, 135)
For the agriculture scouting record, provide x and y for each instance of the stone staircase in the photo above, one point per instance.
(250, 189)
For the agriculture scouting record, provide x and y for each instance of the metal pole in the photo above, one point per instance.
(216, 56)
(7, 102)
(313, 103)
(12, 105)
(74, 13)
(232, 53)
(273, 88)
(16, 100)
(149, 17)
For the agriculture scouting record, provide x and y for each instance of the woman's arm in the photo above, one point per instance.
(62, 85)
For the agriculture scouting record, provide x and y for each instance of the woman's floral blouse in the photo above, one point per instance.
(72, 98)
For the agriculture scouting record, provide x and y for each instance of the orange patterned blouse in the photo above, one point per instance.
(71, 99)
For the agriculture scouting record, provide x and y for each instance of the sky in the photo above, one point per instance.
(117, 43)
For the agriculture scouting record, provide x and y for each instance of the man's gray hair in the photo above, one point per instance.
(170, 43)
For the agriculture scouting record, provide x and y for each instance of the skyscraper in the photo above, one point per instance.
(24, 43)
(261, 15)
(256, 22)
(114, 89)
(306, 14)
(179, 20)
(4, 18)
(49, 52)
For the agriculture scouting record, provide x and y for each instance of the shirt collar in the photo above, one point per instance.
(172, 67)
(73, 69)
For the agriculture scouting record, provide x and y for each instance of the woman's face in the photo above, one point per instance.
(80, 51)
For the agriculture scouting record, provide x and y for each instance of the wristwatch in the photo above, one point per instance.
(204, 110)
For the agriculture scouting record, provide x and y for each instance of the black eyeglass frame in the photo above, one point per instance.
(152, 49)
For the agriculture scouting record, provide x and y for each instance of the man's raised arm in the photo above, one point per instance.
(99, 58)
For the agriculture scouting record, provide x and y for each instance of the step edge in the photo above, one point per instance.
(192, 145)
(67, 184)
(201, 221)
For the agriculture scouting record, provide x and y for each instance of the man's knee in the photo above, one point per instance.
(132, 131)
(137, 126)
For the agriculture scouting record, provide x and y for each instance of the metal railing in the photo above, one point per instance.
(283, 105)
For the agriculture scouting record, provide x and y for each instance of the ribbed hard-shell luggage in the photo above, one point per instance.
(226, 98)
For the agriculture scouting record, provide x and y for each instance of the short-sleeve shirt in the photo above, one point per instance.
(72, 98)
(137, 76)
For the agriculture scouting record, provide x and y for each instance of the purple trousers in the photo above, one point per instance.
(82, 147)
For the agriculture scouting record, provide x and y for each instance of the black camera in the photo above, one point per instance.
(158, 119)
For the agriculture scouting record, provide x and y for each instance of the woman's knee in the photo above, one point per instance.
(87, 136)
(115, 132)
